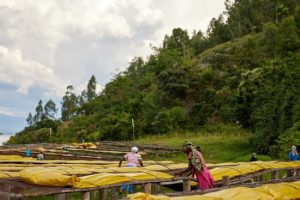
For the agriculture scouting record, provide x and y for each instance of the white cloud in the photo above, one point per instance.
(24, 74)
(4, 138)
(13, 112)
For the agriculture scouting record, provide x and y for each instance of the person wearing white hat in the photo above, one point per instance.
(293, 155)
(134, 159)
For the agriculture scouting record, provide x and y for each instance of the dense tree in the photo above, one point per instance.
(50, 110)
(91, 88)
(39, 112)
(29, 120)
(69, 104)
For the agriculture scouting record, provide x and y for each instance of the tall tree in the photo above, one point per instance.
(29, 119)
(50, 109)
(91, 88)
(39, 112)
(69, 104)
(179, 40)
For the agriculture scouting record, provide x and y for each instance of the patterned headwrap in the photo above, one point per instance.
(196, 160)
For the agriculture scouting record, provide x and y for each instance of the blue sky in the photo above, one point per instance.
(47, 45)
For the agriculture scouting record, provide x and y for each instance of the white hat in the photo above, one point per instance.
(134, 149)
(294, 148)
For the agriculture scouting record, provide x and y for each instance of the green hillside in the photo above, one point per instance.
(244, 70)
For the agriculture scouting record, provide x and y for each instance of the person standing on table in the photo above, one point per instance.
(197, 166)
(133, 159)
(293, 155)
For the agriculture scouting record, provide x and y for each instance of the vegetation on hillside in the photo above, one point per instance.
(245, 70)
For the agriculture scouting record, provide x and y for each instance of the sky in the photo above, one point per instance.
(47, 45)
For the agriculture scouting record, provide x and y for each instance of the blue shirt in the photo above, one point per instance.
(293, 157)
(27, 153)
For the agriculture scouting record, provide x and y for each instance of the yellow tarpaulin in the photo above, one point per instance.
(109, 179)
(278, 191)
(47, 177)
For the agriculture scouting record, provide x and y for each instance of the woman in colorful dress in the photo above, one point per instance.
(197, 166)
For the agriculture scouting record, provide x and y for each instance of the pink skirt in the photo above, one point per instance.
(205, 179)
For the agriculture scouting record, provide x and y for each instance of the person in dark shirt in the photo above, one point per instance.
(253, 157)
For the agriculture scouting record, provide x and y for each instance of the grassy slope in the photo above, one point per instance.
(219, 143)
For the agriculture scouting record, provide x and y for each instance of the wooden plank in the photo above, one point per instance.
(85, 196)
(147, 188)
(186, 184)
(7, 194)
(102, 194)
(225, 180)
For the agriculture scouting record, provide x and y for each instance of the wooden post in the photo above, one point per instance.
(147, 188)
(85, 196)
(186, 184)
(297, 172)
(7, 189)
(102, 194)
(275, 175)
(114, 193)
(94, 194)
(225, 180)
(258, 178)
(156, 188)
(133, 188)
(61, 196)
(289, 172)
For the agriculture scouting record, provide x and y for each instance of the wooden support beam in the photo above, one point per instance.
(186, 184)
(289, 172)
(114, 193)
(157, 188)
(133, 188)
(61, 196)
(298, 172)
(93, 194)
(102, 194)
(275, 175)
(7, 188)
(258, 178)
(85, 196)
(225, 180)
(147, 188)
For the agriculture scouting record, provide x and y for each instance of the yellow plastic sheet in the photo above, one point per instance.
(278, 191)
(47, 177)
(105, 179)
(4, 174)
(143, 196)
